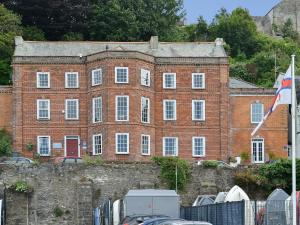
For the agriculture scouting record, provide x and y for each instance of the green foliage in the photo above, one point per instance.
(245, 157)
(210, 164)
(288, 30)
(72, 36)
(268, 177)
(58, 212)
(21, 187)
(168, 171)
(5, 143)
(93, 160)
(29, 146)
(32, 33)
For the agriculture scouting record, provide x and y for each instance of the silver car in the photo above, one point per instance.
(185, 223)
(17, 161)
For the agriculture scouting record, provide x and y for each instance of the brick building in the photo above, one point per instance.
(248, 104)
(6, 108)
(124, 101)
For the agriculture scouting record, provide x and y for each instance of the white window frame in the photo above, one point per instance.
(193, 110)
(66, 109)
(176, 145)
(116, 107)
(204, 146)
(143, 71)
(93, 77)
(193, 80)
(38, 109)
(38, 79)
(38, 145)
(116, 143)
(94, 150)
(116, 75)
(148, 119)
(262, 112)
(258, 140)
(164, 109)
(164, 81)
(66, 79)
(94, 109)
(149, 144)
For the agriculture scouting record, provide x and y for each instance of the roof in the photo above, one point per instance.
(239, 83)
(151, 192)
(86, 48)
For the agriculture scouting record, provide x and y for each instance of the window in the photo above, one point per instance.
(198, 80)
(257, 112)
(170, 146)
(145, 77)
(71, 79)
(169, 109)
(96, 77)
(97, 144)
(72, 109)
(121, 75)
(43, 109)
(43, 145)
(169, 80)
(198, 110)
(145, 144)
(145, 114)
(122, 143)
(198, 146)
(258, 149)
(43, 80)
(122, 108)
(97, 110)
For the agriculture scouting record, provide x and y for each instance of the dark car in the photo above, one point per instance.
(17, 161)
(68, 160)
(157, 221)
(185, 223)
(137, 219)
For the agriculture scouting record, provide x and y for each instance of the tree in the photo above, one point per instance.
(33, 34)
(288, 30)
(55, 17)
(133, 20)
(72, 36)
(238, 30)
(5, 143)
(9, 28)
(198, 32)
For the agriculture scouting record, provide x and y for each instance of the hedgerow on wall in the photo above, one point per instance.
(168, 171)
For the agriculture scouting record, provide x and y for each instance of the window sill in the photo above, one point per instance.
(122, 153)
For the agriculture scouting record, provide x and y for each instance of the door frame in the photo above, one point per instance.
(65, 143)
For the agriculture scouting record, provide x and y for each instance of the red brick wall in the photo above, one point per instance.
(214, 128)
(274, 131)
(6, 108)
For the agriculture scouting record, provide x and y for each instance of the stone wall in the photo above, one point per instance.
(78, 188)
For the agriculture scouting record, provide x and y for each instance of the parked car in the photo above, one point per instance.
(138, 219)
(68, 160)
(157, 221)
(185, 223)
(17, 161)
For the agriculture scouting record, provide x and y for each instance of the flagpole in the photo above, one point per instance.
(294, 106)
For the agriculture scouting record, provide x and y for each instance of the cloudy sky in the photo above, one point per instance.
(208, 8)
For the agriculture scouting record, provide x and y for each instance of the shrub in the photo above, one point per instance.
(58, 212)
(245, 157)
(5, 143)
(21, 187)
(168, 171)
(210, 164)
(93, 160)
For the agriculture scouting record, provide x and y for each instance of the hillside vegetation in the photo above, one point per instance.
(252, 54)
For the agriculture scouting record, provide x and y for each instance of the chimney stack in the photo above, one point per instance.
(219, 42)
(18, 40)
(154, 42)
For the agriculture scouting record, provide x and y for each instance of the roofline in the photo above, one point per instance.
(273, 7)
(237, 78)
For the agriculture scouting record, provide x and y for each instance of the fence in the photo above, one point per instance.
(243, 213)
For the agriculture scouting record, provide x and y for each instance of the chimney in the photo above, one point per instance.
(18, 40)
(219, 42)
(154, 42)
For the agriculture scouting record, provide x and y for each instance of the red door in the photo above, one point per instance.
(72, 146)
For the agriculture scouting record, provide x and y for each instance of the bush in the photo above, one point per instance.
(93, 160)
(168, 171)
(210, 164)
(58, 212)
(21, 187)
(5, 143)
(245, 157)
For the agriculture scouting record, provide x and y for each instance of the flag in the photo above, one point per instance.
(283, 96)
